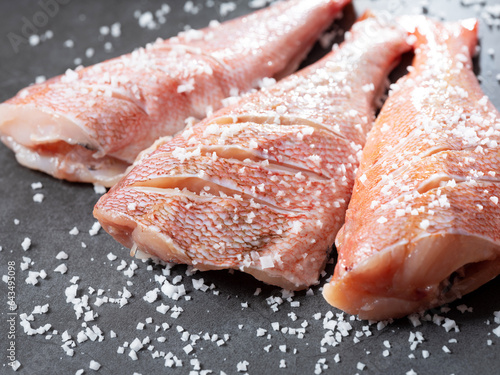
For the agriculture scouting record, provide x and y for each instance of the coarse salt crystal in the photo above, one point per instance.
(242, 366)
(89, 52)
(162, 309)
(95, 228)
(116, 29)
(15, 365)
(151, 296)
(424, 224)
(266, 262)
(450, 324)
(26, 244)
(99, 189)
(62, 268)
(94, 365)
(38, 198)
(62, 255)
(136, 345)
(34, 40)
(496, 331)
(36, 185)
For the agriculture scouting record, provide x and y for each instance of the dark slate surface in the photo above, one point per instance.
(231, 307)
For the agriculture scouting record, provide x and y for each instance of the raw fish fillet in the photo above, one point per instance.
(261, 186)
(89, 125)
(422, 227)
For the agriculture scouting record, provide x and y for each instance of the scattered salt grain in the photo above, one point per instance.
(151, 296)
(496, 331)
(360, 366)
(34, 40)
(95, 228)
(36, 185)
(261, 332)
(62, 268)
(415, 320)
(136, 345)
(242, 366)
(94, 365)
(226, 8)
(38, 198)
(99, 189)
(26, 244)
(116, 30)
(450, 324)
(61, 255)
(15, 365)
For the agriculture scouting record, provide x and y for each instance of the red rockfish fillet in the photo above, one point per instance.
(89, 125)
(422, 228)
(261, 186)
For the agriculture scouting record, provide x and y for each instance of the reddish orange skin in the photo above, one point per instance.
(423, 206)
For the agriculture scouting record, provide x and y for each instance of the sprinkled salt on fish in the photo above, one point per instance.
(89, 124)
(429, 168)
(261, 186)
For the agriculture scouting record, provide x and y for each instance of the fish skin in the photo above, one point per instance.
(96, 120)
(422, 225)
(261, 186)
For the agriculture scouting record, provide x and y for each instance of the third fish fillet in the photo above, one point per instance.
(422, 227)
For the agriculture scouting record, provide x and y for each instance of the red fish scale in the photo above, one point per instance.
(273, 143)
(283, 216)
(245, 178)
